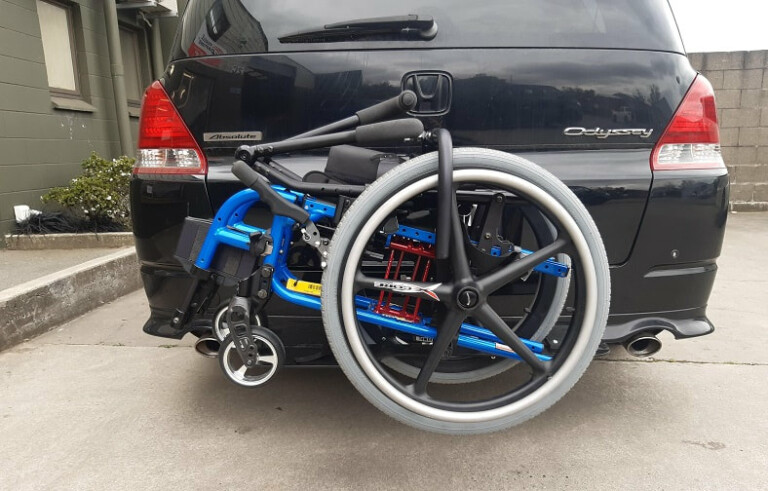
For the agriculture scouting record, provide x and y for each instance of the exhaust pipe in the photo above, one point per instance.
(642, 345)
(208, 347)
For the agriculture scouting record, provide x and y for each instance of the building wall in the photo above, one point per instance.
(42, 146)
(740, 80)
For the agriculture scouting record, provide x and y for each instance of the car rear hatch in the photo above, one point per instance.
(583, 87)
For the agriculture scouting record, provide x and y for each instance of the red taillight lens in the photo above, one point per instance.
(165, 144)
(692, 139)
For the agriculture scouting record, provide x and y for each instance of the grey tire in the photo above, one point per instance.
(410, 179)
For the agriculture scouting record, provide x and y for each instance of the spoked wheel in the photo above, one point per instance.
(466, 305)
(540, 317)
(270, 356)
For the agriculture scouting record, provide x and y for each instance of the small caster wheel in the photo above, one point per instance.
(270, 357)
(220, 328)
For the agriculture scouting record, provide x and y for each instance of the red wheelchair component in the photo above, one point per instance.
(409, 260)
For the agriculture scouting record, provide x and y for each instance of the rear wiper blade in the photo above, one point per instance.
(408, 26)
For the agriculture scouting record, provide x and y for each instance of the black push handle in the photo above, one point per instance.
(372, 134)
(388, 131)
(398, 105)
(277, 205)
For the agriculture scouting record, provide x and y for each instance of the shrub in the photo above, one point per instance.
(100, 194)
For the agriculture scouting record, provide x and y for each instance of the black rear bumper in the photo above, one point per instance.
(664, 285)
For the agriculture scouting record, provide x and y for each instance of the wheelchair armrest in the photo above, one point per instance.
(277, 205)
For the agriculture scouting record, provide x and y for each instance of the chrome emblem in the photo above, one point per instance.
(233, 136)
(605, 133)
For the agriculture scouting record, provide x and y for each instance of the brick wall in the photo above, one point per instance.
(740, 80)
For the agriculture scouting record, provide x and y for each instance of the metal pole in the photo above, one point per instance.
(118, 83)
(158, 67)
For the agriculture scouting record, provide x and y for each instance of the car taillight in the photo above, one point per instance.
(692, 138)
(165, 144)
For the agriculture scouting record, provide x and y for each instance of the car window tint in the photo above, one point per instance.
(217, 27)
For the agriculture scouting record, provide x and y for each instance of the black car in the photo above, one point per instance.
(598, 92)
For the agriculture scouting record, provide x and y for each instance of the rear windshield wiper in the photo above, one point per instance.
(411, 27)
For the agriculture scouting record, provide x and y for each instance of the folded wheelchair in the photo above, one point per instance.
(464, 290)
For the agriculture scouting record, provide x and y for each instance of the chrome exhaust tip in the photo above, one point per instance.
(642, 345)
(208, 347)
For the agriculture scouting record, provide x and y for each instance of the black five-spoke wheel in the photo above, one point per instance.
(464, 302)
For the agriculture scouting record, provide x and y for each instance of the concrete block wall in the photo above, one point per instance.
(740, 80)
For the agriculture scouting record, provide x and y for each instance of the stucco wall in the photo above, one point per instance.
(41, 146)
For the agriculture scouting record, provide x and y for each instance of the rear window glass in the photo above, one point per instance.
(218, 27)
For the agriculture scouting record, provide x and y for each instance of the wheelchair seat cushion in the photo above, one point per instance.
(356, 165)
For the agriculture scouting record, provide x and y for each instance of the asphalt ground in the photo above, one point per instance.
(96, 404)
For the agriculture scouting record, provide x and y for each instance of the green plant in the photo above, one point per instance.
(100, 194)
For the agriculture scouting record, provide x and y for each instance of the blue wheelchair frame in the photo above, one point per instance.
(228, 228)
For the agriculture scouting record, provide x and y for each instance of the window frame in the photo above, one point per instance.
(134, 33)
(56, 91)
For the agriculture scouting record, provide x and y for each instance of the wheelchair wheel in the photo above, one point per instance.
(503, 296)
(270, 357)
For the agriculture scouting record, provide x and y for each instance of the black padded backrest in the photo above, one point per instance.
(356, 165)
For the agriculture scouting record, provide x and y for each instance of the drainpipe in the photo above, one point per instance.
(118, 83)
(157, 50)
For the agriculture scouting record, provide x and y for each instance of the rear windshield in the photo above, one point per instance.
(218, 27)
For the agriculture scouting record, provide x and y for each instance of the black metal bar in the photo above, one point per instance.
(395, 106)
(313, 188)
(330, 128)
(283, 169)
(250, 153)
(444, 192)
(370, 134)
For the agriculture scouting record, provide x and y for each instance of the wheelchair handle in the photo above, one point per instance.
(371, 134)
(267, 195)
(389, 131)
(396, 106)
(401, 104)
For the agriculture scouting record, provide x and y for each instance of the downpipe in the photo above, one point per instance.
(208, 346)
(642, 345)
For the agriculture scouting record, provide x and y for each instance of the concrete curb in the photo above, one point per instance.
(69, 241)
(32, 308)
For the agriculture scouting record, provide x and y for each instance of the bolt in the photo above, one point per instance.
(554, 341)
(499, 198)
(675, 253)
(262, 293)
(487, 235)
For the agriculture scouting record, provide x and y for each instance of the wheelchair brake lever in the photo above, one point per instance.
(268, 196)
(311, 236)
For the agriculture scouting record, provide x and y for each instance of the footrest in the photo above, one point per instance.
(231, 264)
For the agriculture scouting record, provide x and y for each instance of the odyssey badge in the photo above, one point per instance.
(605, 133)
